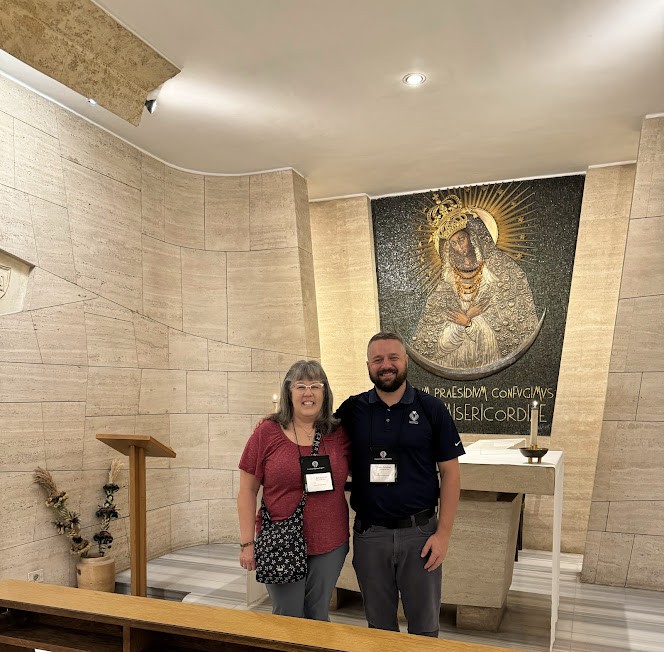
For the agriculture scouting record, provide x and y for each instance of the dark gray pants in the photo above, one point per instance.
(387, 562)
(310, 597)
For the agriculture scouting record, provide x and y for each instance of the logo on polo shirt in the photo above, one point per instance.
(413, 418)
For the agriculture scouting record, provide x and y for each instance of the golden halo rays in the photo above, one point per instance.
(507, 212)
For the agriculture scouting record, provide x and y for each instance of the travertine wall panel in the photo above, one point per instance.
(346, 292)
(64, 431)
(21, 437)
(163, 391)
(19, 102)
(111, 342)
(210, 484)
(189, 437)
(223, 527)
(651, 406)
(158, 527)
(631, 456)
(16, 235)
(584, 365)
(28, 383)
(643, 273)
(61, 334)
(46, 289)
(97, 455)
(227, 213)
(272, 219)
(262, 360)
(207, 391)
(204, 294)
(83, 143)
(112, 391)
(167, 487)
(645, 568)
(37, 166)
(613, 562)
(649, 183)
(50, 224)
(151, 343)
(105, 308)
(195, 515)
(152, 197)
(251, 393)
(263, 289)
(187, 351)
(18, 342)
(622, 396)
(123, 328)
(226, 357)
(105, 219)
(184, 209)
(159, 427)
(16, 500)
(6, 150)
(162, 282)
(228, 435)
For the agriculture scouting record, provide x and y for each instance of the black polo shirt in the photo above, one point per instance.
(420, 429)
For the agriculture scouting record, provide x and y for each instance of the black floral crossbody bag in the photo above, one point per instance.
(280, 550)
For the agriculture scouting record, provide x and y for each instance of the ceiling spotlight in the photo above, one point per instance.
(92, 101)
(414, 79)
(151, 105)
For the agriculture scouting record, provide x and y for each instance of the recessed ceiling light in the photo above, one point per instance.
(92, 101)
(414, 79)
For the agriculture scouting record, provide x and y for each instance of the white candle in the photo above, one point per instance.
(534, 422)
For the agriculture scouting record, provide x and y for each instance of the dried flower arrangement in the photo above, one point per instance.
(68, 522)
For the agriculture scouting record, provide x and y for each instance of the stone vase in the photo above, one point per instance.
(96, 574)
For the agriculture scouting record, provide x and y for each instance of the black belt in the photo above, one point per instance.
(421, 518)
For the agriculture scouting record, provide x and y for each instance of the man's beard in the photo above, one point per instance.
(464, 263)
(389, 385)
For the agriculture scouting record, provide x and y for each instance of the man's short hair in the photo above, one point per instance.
(387, 335)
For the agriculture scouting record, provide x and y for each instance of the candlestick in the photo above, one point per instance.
(534, 423)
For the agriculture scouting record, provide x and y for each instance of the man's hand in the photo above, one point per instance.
(436, 548)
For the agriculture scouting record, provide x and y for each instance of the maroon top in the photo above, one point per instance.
(272, 458)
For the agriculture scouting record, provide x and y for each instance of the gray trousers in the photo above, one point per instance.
(387, 563)
(310, 597)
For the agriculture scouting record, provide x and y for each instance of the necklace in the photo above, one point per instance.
(468, 283)
(309, 435)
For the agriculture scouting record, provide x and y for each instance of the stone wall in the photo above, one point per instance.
(155, 301)
(625, 543)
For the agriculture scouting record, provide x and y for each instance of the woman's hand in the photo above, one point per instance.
(247, 559)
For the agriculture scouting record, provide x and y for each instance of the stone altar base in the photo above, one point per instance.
(477, 572)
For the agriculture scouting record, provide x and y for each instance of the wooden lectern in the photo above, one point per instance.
(137, 447)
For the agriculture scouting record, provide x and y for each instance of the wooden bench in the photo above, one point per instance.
(64, 619)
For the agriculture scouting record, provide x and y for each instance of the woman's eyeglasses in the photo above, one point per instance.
(314, 387)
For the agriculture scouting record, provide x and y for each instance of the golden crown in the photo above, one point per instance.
(447, 216)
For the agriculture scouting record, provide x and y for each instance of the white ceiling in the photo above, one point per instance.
(516, 88)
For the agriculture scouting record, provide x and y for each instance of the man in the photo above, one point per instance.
(401, 440)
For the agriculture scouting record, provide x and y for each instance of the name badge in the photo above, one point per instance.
(382, 466)
(316, 473)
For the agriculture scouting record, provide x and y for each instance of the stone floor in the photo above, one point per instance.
(592, 618)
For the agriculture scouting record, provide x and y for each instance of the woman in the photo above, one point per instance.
(272, 458)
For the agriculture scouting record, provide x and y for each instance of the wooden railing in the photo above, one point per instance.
(64, 619)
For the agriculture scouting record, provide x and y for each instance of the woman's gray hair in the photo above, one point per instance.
(305, 370)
